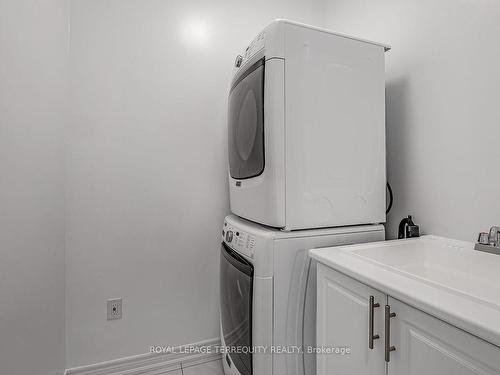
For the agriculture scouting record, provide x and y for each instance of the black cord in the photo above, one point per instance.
(391, 198)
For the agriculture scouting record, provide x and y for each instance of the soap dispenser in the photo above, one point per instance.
(408, 229)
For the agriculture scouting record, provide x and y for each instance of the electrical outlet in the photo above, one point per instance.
(114, 308)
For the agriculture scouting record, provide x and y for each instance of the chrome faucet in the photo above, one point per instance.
(489, 242)
(494, 236)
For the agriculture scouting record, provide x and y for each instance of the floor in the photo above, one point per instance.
(213, 367)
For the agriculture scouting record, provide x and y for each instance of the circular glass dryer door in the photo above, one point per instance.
(246, 123)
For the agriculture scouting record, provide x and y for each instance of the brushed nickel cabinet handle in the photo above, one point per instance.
(371, 336)
(388, 347)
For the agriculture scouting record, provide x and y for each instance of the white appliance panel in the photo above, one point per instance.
(335, 130)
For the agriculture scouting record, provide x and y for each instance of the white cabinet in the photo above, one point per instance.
(422, 343)
(343, 321)
(427, 345)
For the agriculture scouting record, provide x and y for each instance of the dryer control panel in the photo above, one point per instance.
(253, 48)
(238, 240)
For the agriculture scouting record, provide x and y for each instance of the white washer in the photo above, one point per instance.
(268, 293)
(306, 129)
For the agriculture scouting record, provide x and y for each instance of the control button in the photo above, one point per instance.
(237, 234)
(229, 236)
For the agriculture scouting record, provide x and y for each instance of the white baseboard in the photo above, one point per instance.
(150, 363)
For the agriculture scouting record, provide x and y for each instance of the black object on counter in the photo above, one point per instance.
(408, 229)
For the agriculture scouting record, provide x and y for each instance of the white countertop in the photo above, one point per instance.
(443, 277)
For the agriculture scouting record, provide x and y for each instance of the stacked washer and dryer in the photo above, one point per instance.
(306, 142)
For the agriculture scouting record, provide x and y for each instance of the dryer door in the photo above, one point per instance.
(246, 123)
(236, 286)
(261, 198)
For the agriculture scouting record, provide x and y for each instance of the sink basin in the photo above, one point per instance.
(452, 265)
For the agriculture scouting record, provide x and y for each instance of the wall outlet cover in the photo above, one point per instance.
(114, 308)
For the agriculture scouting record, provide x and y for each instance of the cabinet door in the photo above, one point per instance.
(427, 345)
(343, 322)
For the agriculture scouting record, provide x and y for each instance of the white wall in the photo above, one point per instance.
(443, 112)
(147, 166)
(33, 88)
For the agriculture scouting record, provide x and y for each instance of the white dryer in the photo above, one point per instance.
(268, 294)
(306, 129)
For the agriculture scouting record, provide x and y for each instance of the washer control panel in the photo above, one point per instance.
(238, 240)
